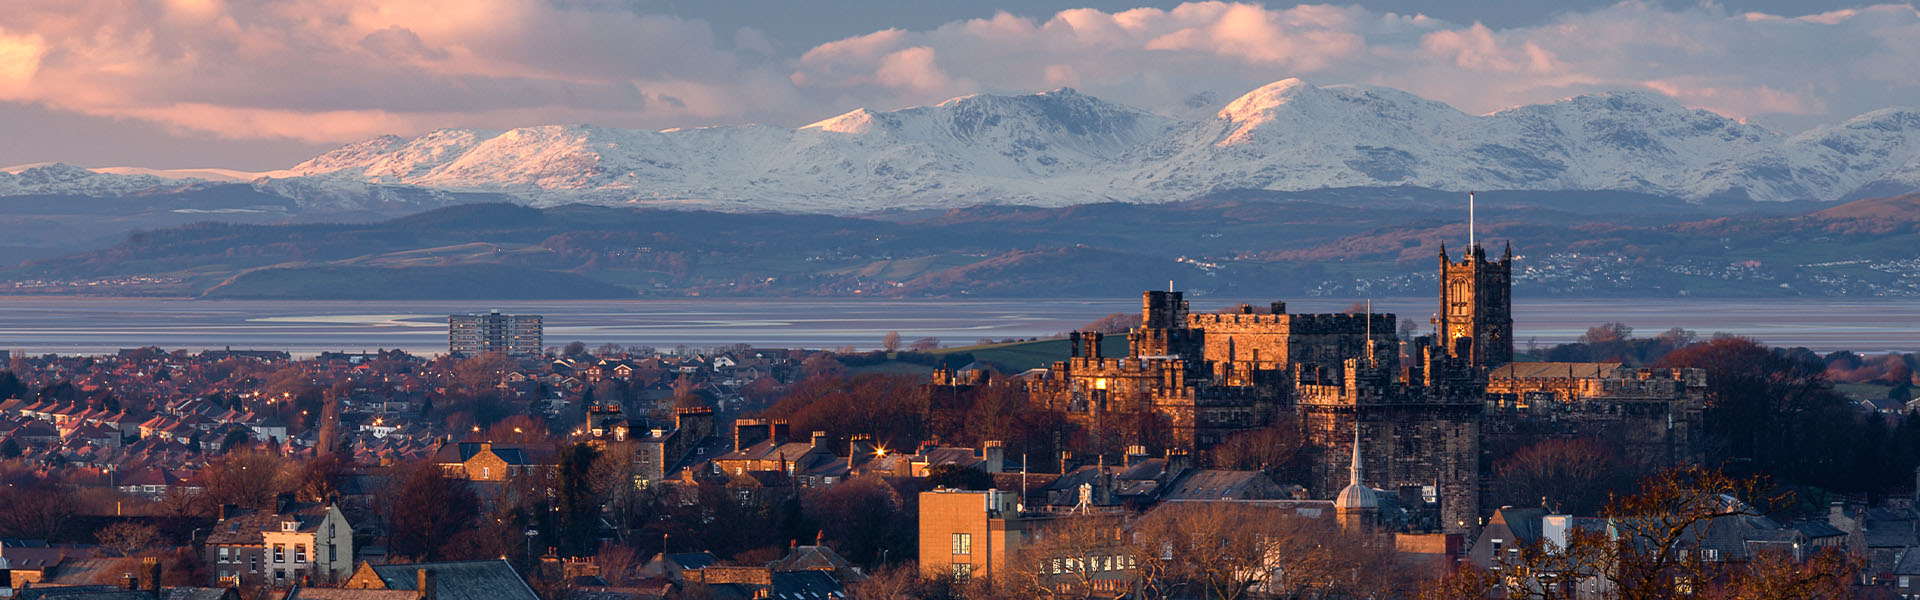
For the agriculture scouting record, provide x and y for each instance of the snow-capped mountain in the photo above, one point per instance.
(1063, 147)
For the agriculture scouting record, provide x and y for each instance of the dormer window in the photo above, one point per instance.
(289, 525)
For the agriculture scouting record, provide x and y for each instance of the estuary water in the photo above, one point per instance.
(39, 325)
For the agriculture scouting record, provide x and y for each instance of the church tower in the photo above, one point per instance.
(1475, 322)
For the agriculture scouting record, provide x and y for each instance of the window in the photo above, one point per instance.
(962, 572)
(1710, 554)
(300, 553)
(486, 472)
(963, 543)
(224, 554)
(253, 563)
(1903, 581)
(279, 553)
(333, 553)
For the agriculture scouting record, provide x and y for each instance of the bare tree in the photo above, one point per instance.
(1228, 551)
(1069, 557)
(249, 478)
(1651, 550)
(925, 344)
(897, 582)
(890, 343)
(127, 538)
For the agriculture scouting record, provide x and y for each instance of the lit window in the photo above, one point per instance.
(300, 553)
(962, 572)
(963, 543)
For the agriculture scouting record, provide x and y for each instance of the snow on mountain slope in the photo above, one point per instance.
(61, 178)
(1063, 147)
(1875, 154)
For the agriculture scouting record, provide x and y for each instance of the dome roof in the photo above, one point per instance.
(1356, 496)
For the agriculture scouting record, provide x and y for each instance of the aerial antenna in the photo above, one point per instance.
(1470, 241)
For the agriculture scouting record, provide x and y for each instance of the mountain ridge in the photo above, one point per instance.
(1062, 147)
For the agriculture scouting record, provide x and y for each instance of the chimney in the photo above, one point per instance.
(428, 584)
(153, 575)
(1278, 308)
(132, 582)
(229, 510)
(858, 447)
(1093, 345)
(1177, 461)
(747, 432)
(779, 432)
(282, 502)
(486, 447)
(1073, 343)
(1135, 454)
(820, 439)
(995, 456)
(6, 579)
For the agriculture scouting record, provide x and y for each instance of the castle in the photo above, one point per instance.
(1436, 412)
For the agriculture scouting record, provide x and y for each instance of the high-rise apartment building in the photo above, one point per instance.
(514, 335)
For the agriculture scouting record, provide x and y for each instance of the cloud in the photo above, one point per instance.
(341, 70)
(1813, 68)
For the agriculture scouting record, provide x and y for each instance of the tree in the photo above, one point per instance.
(1118, 322)
(249, 478)
(425, 509)
(1575, 476)
(1776, 410)
(891, 342)
(1067, 557)
(1230, 551)
(898, 582)
(865, 518)
(1271, 449)
(925, 344)
(35, 510)
(578, 500)
(319, 477)
(127, 538)
(1643, 554)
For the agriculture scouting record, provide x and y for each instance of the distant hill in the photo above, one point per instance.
(498, 282)
(1239, 244)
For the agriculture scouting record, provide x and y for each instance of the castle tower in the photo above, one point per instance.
(1475, 322)
(1357, 507)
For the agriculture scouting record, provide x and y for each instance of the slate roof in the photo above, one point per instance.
(512, 455)
(340, 594)
(810, 558)
(1214, 483)
(806, 585)
(461, 580)
(693, 560)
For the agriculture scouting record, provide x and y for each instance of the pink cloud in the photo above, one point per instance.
(335, 70)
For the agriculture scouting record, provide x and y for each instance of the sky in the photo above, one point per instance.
(264, 84)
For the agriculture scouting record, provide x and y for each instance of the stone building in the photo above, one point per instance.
(1436, 412)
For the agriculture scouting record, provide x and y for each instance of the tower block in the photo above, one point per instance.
(1475, 322)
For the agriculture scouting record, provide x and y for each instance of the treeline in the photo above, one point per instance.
(1775, 411)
